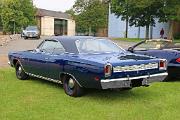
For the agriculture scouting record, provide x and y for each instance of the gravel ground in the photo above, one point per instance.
(20, 44)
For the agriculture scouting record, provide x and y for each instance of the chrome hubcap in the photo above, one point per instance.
(71, 83)
(19, 69)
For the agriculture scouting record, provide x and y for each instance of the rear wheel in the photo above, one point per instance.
(20, 74)
(71, 87)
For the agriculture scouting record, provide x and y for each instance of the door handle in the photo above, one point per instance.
(46, 58)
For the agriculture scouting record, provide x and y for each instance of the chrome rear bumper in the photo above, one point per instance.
(127, 82)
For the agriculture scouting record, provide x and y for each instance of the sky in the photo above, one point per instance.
(56, 5)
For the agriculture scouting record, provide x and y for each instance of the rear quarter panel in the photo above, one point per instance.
(84, 71)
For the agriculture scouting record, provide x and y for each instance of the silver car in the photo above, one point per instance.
(31, 32)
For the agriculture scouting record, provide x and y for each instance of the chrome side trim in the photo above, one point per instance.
(49, 79)
(133, 78)
(45, 78)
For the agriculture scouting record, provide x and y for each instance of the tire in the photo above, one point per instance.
(169, 78)
(71, 87)
(20, 74)
(25, 38)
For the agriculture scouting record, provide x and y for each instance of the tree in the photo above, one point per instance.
(140, 12)
(121, 8)
(89, 15)
(172, 12)
(144, 12)
(17, 14)
(1, 6)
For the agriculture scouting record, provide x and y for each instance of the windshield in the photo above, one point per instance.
(97, 46)
(31, 28)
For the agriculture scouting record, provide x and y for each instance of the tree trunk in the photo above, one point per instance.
(147, 32)
(139, 30)
(90, 31)
(170, 31)
(151, 32)
(126, 32)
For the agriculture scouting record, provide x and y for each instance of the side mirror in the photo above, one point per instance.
(131, 49)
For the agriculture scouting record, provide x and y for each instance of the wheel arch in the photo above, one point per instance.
(63, 74)
(15, 61)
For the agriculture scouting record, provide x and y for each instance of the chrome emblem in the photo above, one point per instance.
(135, 67)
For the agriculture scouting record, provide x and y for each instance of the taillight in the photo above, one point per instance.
(178, 60)
(162, 65)
(108, 70)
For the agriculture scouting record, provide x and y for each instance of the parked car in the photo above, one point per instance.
(87, 62)
(31, 32)
(161, 48)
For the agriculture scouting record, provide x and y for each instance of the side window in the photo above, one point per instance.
(52, 47)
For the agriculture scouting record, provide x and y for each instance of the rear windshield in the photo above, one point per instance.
(97, 46)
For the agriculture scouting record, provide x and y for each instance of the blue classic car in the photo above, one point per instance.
(161, 48)
(87, 62)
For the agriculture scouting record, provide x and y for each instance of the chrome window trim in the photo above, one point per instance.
(53, 40)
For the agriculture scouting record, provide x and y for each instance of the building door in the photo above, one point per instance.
(60, 27)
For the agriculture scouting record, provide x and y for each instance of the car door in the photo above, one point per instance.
(55, 61)
(37, 59)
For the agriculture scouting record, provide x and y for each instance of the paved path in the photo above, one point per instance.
(29, 44)
(19, 45)
(16, 45)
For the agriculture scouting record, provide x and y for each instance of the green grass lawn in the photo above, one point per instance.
(36, 99)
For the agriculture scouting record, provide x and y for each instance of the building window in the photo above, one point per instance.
(60, 27)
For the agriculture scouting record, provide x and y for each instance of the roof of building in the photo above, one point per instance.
(57, 14)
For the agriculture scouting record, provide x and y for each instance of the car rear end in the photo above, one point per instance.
(128, 74)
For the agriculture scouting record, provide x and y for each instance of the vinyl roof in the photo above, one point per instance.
(69, 41)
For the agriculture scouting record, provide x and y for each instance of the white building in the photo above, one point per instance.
(117, 27)
(55, 23)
